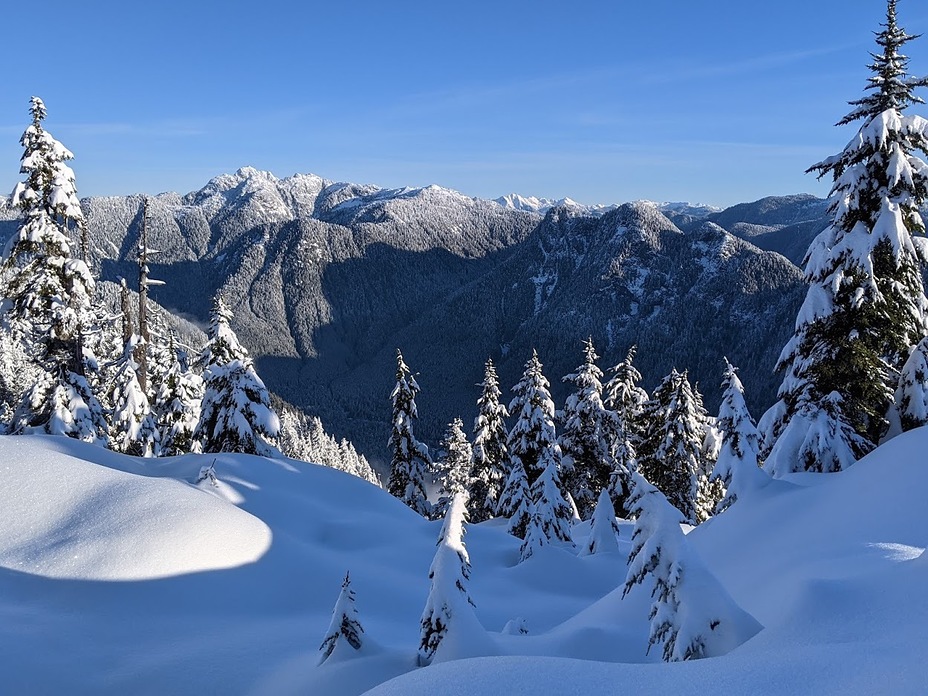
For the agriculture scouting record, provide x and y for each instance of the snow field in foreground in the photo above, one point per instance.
(118, 575)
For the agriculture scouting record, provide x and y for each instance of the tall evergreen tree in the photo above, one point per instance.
(454, 467)
(489, 469)
(47, 293)
(622, 394)
(409, 458)
(553, 511)
(866, 304)
(177, 402)
(534, 430)
(236, 413)
(625, 402)
(515, 501)
(671, 456)
(737, 465)
(133, 429)
(160, 358)
(587, 435)
(449, 604)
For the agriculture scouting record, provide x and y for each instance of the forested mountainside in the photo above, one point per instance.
(784, 224)
(327, 280)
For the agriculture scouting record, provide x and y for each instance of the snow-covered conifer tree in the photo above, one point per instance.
(624, 463)
(449, 601)
(161, 354)
(222, 345)
(625, 403)
(737, 465)
(911, 398)
(866, 305)
(208, 475)
(345, 626)
(454, 467)
(235, 413)
(692, 614)
(489, 468)
(622, 395)
(47, 293)
(177, 403)
(133, 429)
(516, 500)
(535, 536)
(356, 464)
(534, 431)
(303, 437)
(18, 371)
(299, 436)
(817, 438)
(604, 529)
(553, 511)
(670, 454)
(586, 436)
(409, 458)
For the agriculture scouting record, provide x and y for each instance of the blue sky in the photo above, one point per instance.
(718, 101)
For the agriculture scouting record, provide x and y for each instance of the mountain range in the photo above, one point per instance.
(328, 279)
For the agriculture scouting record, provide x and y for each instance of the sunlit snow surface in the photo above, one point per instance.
(119, 575)
(66, 517)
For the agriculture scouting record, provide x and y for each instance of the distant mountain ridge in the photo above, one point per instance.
(328, 279)
(676, 211)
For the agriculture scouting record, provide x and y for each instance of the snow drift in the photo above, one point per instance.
(190, 589)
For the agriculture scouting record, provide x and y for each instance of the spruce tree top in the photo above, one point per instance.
(734, 420)
(223, 346)
(583, 412)
(587, 379)
(892, 86)
(877, 167)
(404, 393)
(533, 409)
(489, 425)
(621, 392)
(488, 402)
(455, 469)
(49, 187)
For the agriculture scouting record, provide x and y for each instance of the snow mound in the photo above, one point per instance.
(832, 565)
(65, 517)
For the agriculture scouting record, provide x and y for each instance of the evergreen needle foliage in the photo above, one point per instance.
(866, 307)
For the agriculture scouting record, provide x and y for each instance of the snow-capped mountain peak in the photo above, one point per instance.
(528, 204)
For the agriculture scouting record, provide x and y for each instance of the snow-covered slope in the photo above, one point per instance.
(833, 565)
(71, 518)
(185, 589)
